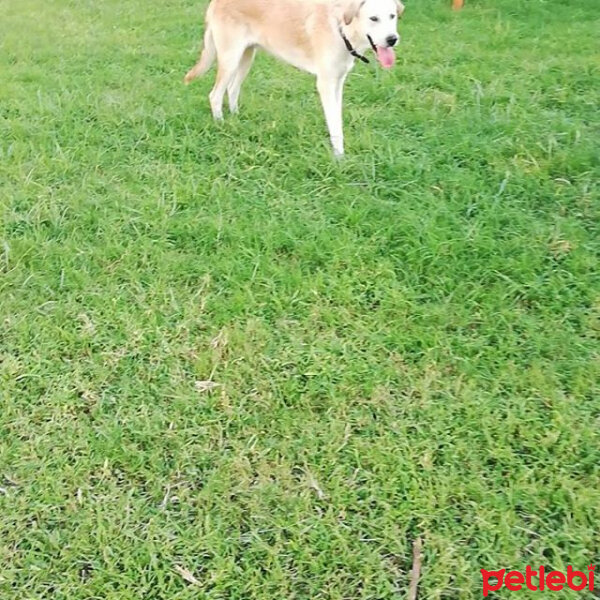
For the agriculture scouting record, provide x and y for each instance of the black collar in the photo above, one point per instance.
(372, 44)
(351, 49)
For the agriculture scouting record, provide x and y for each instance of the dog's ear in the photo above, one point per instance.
(400, 7)
(350, 10)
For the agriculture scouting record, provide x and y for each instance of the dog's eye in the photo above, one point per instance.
(374, 19)
(392, 16)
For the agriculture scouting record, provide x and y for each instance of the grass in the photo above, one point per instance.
(406, 343)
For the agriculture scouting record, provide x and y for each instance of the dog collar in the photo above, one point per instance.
(351, 49)
(372, 43)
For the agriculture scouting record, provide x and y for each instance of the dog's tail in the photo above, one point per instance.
(209, 53)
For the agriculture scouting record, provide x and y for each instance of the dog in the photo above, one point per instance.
(322, 37)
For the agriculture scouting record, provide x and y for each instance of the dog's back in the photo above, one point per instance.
(288, 29)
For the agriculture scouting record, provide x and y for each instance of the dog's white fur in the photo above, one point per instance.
(305, 33)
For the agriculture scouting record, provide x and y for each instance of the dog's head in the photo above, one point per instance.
(377, 20)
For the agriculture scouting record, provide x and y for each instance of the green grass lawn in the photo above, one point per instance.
(406, 343)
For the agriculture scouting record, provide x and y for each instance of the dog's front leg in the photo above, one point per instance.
(330, 91)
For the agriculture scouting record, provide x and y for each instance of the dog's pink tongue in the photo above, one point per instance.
(385, 56)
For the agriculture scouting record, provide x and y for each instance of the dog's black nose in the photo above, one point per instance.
(391, 40)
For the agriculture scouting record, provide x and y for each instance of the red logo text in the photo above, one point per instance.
(553, 581)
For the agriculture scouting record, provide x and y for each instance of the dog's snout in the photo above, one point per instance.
(391, 40)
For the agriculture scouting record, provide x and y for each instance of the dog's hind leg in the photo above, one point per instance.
(228, 60)
(233, 91)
